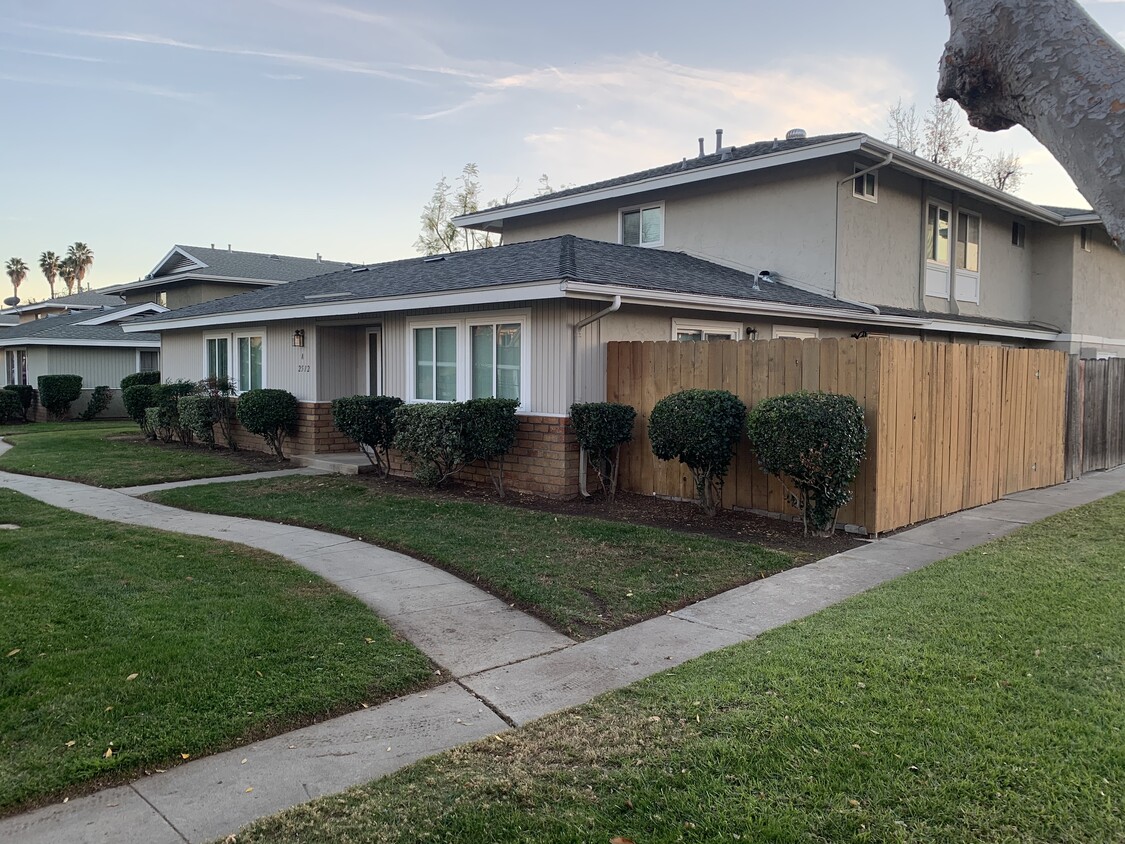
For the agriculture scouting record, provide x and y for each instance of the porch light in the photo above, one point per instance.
(299, 338)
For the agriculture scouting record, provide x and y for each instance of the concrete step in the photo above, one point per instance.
(341, 464)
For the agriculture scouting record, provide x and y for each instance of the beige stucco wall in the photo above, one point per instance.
(1099, 296)
(782, 220)
(191, 293)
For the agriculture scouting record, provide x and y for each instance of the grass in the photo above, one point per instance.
(156, 645)
(106, 454)
(584, 576)
(979, 700)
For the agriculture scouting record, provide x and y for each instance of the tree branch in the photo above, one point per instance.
(1046, 65)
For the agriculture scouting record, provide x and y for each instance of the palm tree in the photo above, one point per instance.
(49, 264)
(17, 272)
(83, 258)
(69, 272)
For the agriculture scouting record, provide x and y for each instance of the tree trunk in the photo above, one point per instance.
(1046, 65)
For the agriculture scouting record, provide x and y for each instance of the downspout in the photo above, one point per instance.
(836, 251)
(578, 326)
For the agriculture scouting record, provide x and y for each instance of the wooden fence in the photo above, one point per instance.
(1095, 415)
(949, 426)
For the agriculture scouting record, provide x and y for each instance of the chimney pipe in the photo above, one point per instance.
(718, 140)
(701, 148)
(212, 246)
(318, 257)
(228, 247)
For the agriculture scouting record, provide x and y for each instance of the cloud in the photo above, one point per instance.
(64, 56)
(106, 85)
(284, 77)
(624, 113)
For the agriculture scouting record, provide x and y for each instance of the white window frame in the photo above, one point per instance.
(230, 354)
(796, 332)
(464, 324)
(933, 265)
(644, 206)
(236, 362)
(157, 351)
(873, 178)
(378, 333)
(966, 282)
(733, 330)
(16, 366)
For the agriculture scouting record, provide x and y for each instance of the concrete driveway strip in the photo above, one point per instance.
(213, 796)
(394, 585)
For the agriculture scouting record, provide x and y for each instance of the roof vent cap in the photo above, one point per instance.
(796, 135)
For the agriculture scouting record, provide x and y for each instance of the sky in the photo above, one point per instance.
(303, 126)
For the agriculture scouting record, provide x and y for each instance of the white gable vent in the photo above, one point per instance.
(796, 135)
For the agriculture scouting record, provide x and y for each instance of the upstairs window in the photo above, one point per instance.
(1019, 234)
(937, 234)
(643, 225)
(968, 242)
(866, 186)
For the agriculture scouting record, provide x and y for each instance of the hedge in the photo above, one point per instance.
(701, 429)
(99, 401)
(58, 392)
(137, 399)
(601, 429)
(815, 441)
(9, 406)
(272, 414)
(370, 421)
(26, 396)
(149, 376)
(433, 439)
(490, 427)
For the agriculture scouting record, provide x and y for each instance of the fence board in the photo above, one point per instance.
(949, 426)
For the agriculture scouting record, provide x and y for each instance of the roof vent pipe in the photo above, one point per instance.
(701, 147)
(796, 135)
(718, 140)
(766, 275)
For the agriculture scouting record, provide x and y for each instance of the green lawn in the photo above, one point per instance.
(584, 576)
(979, 700)
(154, 645)
(106, 454)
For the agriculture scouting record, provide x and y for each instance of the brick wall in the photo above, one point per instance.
(544, 460)
(315, 433)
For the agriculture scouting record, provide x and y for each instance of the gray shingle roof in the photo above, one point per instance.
(234, 264)
(85, 299)
(563, 258)
(65, 327)
(1069, 212)
(969, 318)
(754, 150)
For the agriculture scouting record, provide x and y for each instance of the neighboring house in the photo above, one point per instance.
(188, 275)
(854, 218)
(89, 343)
(88, 300)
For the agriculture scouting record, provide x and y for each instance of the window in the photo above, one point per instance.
(1019, 234)
(685, 330)
(476, 357)
(148, 360)
(968, 242)
(435, 363)
(15, 366)
(218, 357)
(1084, 238)
(937, 234)
(496, 360)
(794, 331)
(643, 226)
(250, 367)
(865, 186)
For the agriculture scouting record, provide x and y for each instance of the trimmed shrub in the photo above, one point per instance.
(434, 439)
(700, 428)
(602, 428)
(99, 401)
(57, 392)
(370, 421)
(195, 415)
(137, 399)
(814, 442)
(150, 376)
(272, 414)
(26, 395)
(218, 391)
(9, 406)
(490, 430)
(159, 424)
(167, 398)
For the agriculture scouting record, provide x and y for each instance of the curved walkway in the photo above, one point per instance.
(506, 668)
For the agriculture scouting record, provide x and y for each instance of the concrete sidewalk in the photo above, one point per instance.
(508, 667)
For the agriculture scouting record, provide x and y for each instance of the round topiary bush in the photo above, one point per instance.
(601, 429)
(147, 376)
(813, 442)
(57, 392)
(272, 414)
(700, 428)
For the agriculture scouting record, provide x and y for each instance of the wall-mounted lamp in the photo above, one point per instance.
(752, 333)
(299, 338)
(859, 335)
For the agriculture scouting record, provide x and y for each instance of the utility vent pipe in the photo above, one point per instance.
(701, 147)
(718, 140)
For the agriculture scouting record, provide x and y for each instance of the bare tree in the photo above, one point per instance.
(439, 233)
(903, 129)
(1047, 66)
